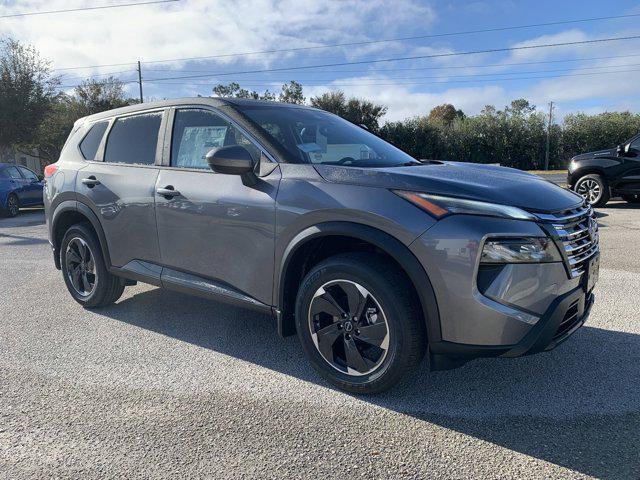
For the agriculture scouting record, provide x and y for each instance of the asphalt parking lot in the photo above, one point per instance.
(162, 385)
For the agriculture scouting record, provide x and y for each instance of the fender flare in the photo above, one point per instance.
(396, 249)
(79, 207)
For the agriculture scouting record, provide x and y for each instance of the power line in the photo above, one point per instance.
(414, 57)
(418, 83)
(445, 75)
(431, 67)
(367, 42)
(82, 9)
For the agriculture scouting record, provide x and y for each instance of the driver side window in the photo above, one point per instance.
(635, 145)
(196, 132)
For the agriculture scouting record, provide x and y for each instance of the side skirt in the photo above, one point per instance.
(188, 283)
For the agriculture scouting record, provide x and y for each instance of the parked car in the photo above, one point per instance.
(371, 256)
(598, 176)
(19, 187)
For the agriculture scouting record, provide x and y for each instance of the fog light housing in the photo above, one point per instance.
(520, 250)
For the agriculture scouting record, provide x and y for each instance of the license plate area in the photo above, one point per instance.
(592, 272)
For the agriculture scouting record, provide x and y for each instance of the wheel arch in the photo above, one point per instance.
(291, 268)
(69, 213)
(586, 170)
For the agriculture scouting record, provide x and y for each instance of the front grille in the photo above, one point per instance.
(577, 229)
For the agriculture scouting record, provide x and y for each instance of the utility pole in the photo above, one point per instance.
(140, 82)
(546, 156)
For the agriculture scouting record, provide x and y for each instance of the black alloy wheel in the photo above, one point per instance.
(80, 266)
(13, 206)
(348, 327)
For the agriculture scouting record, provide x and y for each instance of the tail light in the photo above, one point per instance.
(49, 170)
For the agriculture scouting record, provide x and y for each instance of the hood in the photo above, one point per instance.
(600, 153)
(473, 181)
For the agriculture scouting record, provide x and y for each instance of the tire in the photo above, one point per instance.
(594, 188)
(101, 288)
(389, 298)
(13, 206)
(631, 198)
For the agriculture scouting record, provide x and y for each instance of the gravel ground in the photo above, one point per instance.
(162, 385)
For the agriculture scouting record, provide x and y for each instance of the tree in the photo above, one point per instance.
(233, 89)
(359, 111)
(366, 113)
(520, 107)
(27, 91)
(292, 93)
(444, 114)
(94, 96)
(90, 97)
(334, 102)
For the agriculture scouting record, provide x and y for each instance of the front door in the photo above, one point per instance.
(629, 181)
(214, 226)
(121, 189)
(32, 190)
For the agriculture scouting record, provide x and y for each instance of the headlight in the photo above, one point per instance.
(439, 206)
(520, 250)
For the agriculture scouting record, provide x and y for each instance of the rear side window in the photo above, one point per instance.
(28, 174)
(91, 141)
(133, 140)
(13, 172)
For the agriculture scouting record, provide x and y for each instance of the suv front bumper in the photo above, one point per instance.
(524, 309)
(565, 316)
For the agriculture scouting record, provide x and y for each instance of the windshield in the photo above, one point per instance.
(317, 137)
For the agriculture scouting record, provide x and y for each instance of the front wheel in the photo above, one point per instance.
(84, 270)
(359, 322)
(594, 189)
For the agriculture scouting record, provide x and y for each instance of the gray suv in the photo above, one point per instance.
(371, 256)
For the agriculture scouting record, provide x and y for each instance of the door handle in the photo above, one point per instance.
(90, 182)
(168, 191)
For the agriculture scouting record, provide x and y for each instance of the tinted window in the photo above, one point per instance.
(13, 172)
(91, 141)
(28, 174)
(314, 136)
(133, 140)
(195, 132)
(635, 144)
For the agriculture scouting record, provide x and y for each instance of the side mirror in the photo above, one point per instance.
(231, 160)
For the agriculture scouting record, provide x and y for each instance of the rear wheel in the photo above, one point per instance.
(359, 322)
(631, 198)
(84, 270)
(594, 188)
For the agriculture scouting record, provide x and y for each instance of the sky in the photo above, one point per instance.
(589, 78)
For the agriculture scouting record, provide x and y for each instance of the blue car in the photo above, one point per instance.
(19, 187)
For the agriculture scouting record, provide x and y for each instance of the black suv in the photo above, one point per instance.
(598, 176)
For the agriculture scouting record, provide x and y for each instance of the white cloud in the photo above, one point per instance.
(403, 102)
(195, 28)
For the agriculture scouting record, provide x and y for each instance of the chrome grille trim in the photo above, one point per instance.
(572, 227)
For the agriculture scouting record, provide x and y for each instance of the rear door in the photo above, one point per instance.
(118, 183)
(215, 226)
(16, 183)
(32, 187)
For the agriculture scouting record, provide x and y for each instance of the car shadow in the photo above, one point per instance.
(26, 218)
(577, 406)
(21, 240)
